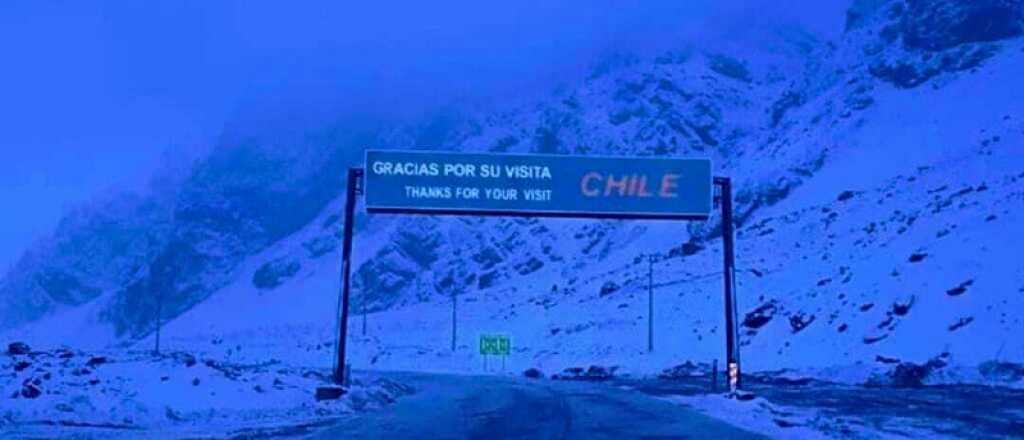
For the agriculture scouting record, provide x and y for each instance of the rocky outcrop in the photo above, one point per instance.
(272, 273)
(920, 39)
(937, 25)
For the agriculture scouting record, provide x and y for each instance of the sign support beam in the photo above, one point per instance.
(729, 276)
(353, 189)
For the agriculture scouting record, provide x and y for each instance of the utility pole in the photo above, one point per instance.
(157, 277)
(650, 303)
(454, 320)
(159, 321)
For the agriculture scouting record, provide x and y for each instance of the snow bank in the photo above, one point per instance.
(174, 392)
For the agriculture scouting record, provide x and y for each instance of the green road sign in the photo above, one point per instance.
(497, 345)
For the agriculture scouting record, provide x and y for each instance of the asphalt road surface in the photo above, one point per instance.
(493, 407)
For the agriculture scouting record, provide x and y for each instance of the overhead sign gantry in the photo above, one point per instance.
(538, 185)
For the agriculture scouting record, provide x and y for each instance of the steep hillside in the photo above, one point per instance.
(876, 177)
(130, 254)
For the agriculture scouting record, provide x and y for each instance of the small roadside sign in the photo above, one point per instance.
(495, 345)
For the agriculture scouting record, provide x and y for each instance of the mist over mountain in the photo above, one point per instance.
(98, 91)
(145, 99)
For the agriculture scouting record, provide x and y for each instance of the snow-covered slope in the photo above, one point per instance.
(876, 174)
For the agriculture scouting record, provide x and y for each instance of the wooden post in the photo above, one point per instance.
(714, 376)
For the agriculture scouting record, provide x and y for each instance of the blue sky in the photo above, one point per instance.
(94, 92)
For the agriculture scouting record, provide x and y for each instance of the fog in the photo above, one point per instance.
(97, 95)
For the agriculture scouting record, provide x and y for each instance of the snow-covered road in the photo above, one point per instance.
(495, 407)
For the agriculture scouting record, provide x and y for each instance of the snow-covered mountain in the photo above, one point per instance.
(876, 179)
